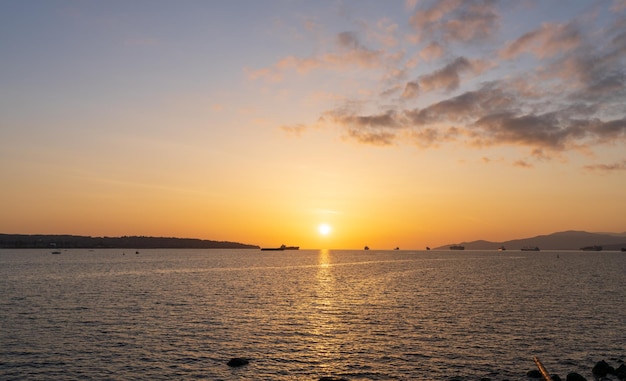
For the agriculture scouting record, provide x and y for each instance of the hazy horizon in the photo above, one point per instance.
(327, 125)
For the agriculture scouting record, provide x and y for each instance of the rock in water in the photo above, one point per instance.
(575, 377)
(533, 374)
(602, 368)
(237, 361)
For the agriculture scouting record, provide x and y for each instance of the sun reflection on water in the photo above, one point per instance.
(325, 321)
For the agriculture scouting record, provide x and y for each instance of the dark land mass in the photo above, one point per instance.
(23, 241)
(567, 240)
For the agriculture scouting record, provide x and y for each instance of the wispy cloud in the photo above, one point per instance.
(349, 53)
(544, 42)
(456, 20)
(621, 166)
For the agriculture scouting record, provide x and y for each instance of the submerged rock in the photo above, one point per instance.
(237, 361)
(575, 377)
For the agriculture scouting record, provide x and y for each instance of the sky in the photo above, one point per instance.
(391, 123)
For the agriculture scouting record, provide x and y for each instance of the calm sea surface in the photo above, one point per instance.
(301, 315)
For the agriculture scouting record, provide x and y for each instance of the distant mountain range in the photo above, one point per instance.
(23, 241)
(567, 240)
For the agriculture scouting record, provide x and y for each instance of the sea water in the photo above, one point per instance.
(302, 315)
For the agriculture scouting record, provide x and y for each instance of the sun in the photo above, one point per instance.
(324, 229)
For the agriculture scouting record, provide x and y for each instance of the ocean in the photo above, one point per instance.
(302, 315)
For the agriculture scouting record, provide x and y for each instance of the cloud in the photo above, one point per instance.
(457, 20)
(463, 108)
(384, 32)
(614, 167)
(432, 51)
(377, 129)
(543, 130)
(607, 131)
(448, 78)
(493, 115)
(411, 90)
(350, 54)
(297, 129)
(379, 138)
(553, 88)
(522, 164)
(547, 41)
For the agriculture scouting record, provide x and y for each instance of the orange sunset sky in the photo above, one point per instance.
(395, 123)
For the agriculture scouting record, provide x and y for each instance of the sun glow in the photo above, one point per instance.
(324, 229)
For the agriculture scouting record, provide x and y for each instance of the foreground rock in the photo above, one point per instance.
(237, 361)
(602, 368)
(575, 377)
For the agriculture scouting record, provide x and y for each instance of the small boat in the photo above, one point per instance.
(366, 248)
(591, 248)
(501, 248)
(427, 248)
(530, 248)
(457, 247)
(397, 248)
(56, 252)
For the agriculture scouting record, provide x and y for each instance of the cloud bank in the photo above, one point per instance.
(446, 74)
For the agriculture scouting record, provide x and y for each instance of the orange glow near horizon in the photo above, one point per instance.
(382, 136)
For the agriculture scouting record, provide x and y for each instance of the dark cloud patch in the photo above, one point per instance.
(463, 108)
(446, 78)
(544, 130)
(377, 138)
(384, 120)
(379, 129)
(610, 130)
(493, 115)
(348, 40)
(429, 137)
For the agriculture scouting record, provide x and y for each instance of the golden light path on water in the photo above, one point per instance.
(324, 322)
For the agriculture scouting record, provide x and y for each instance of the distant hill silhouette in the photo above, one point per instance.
(126, 242)
(567, 240)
